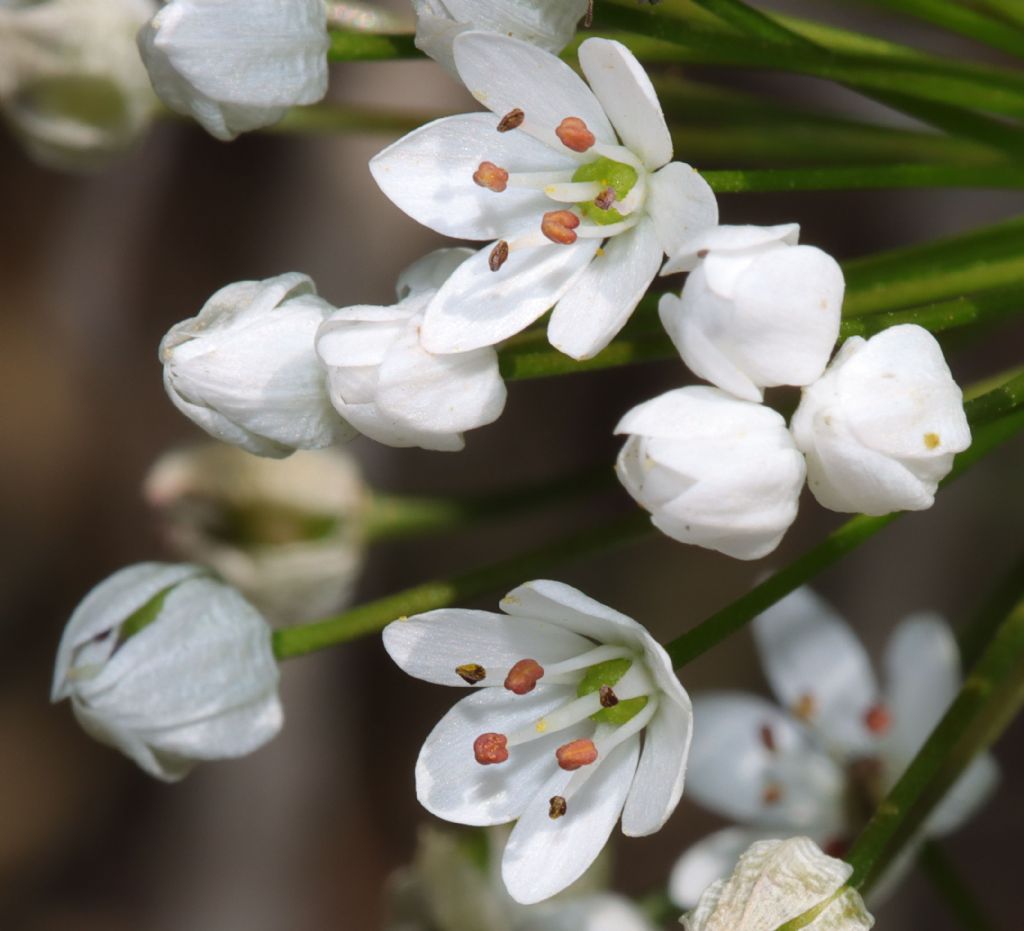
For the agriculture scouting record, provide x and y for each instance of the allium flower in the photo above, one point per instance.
(548, 24)
(776, 881)
(820, 764)
(384, 383)
(236, 65)
(287, 534)
(245, 368)
(170, 667)
(712, 470)
(882, 426)
(578, 213)
(555, 742)
(71, 83)
(756, 311)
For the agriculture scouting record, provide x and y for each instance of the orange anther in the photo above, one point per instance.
(772, 794)
(575, 754)
(490, 748)
(573, 133)
(877, 719)
(558, 226)
(522, 677)
(491, 176)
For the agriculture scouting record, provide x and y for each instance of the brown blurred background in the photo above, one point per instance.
(302, 834)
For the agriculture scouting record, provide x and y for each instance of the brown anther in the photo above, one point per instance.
(557, 807)
(768, 738)
(522, 677)
(607, 697)
(573, 133)
(558, 226)
(605, 199)
(702, 253)
(836, 847)
(805, 707)
(772, 794)
(471, 673)
(490, 748)
(576, 753)
(877, 719)
(511, 120)
(498, 256)
(491, 176)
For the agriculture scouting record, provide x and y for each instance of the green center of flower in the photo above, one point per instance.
(607, 674)
(611, 175)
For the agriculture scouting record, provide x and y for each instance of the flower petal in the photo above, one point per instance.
(711, 858)
(681, 204)
(431, 271)
(727, 238)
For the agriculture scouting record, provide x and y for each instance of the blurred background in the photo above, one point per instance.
(303, 834)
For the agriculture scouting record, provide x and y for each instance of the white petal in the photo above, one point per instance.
(696, 411)
(543, 856)
(597, 306)
(430, 646)
(431, 271)
(711, 858)
(99, 727)
(628, 97)
(729, 239)
(477, 307)
(681, 204)
(361, 335)
(974, 787)
(549, 24)
(600, 911)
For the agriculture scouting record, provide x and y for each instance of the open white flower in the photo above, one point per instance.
(245, 368)
(882, 426)
(776, 881)
(820, 764)
(548, 24)
(712, 470)
(573, 185)
(236, 65)
(555, 741)
(71, 83)
(384, 383)
(757, 310)
(170, 667)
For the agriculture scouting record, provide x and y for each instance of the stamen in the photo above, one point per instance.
(557, 807)
(573, 192)
(877, 719)
(607, 697)
(558, 226)
(490, 748)
(604, 232)
(805, 707)
(605, 199)
(772, 794)
(498, 256)
(619, 153)
(768, 738)
(576, 753)
(511, 120)
(471, 673)
(574, 134)
(491, 176)
(522, 677)
(590, 658)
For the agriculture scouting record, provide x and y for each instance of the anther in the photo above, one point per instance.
(522, 677)
(768, 738)
(498, 256)
(490, 748)
(931, 440)
(557, 807)
(836, 847)
(605, 199)
(511, 120)
(877, 719)
(805, 707)
(574, 134)
(702, 253)
(608, 698)
(471, 673)
(772, 794)
(491, 176)
(558, 226)
(576, 753)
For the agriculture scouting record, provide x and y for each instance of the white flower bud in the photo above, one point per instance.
(776, 881)
(236, 65)
(71, 83)
(287, 534)
(712, 470)
(384, 383)
(756, 311)
(245, 369)
(170, 667)
(882, 426)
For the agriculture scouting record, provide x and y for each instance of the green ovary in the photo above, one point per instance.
(609, 174)
(608, 673)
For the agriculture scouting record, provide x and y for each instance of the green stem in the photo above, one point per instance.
(990, 614)
(365, 46)
(946, 880)
(753, 22)
(333, 118)
(1007, 176)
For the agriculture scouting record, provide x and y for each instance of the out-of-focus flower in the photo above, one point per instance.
(820, 764)
(882, 426)
(548, 24)
(287, 534)
(245, 368)
(776, 881)
(71, 83)
(170, 667)
(384, 383)
(573, 185)
(236, 65)
(756, 311)
(556, 741)
(712, 470)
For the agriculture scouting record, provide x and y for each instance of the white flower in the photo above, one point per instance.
(549, 24)
(776, 881)
(820, 764)
(245, 369)
(882, 426)
(170, 667)
(756, 311)
(579, 213)
(71, 83)
(556, 741)
(712, 470)
(236, 65)
(287, 534)
(384, 383)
